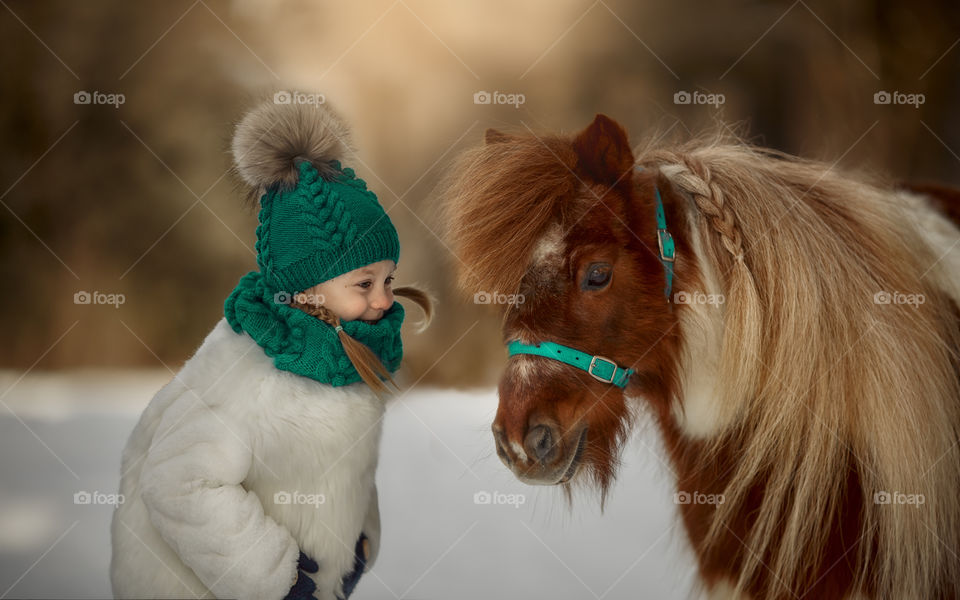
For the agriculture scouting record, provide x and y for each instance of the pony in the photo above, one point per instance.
(791, 329)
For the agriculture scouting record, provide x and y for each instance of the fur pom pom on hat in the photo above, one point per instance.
(317, 219)
(274, 137)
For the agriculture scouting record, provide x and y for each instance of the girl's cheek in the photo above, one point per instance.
(358, 305)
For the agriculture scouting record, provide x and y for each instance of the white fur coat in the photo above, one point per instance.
(234, 467)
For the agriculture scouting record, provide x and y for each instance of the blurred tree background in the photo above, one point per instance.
(138, 199)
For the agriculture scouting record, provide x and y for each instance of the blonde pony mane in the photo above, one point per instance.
(817, 379)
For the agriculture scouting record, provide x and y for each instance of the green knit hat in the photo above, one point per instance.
(318, 220)
(321, 229)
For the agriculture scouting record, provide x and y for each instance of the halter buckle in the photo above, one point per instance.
(664, 235)
(613, 371)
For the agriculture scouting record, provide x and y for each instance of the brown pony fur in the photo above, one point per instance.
(822, 396)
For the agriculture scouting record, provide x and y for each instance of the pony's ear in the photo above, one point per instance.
(603, 150)
(492, 136)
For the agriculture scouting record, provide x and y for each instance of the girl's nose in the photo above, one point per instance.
(382, 300)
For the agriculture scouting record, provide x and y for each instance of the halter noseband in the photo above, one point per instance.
(599, 367)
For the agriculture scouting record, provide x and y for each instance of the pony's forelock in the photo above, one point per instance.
(510, 192)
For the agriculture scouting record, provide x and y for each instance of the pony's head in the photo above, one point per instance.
(564, 232)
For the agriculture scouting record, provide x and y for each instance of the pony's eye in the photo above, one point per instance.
(597, 277)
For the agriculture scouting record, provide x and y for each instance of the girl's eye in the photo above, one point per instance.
(389, 280)
(597, 277)
(365, 284)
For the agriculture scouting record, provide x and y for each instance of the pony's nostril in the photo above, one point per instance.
(539, 443)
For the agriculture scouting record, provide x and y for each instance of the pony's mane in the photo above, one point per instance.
(500, 201)
(817, 379)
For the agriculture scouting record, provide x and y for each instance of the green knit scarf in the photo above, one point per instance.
(303, 344)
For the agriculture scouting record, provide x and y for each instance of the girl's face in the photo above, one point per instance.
(364, 293)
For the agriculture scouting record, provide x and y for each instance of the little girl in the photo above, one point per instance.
(251, 474)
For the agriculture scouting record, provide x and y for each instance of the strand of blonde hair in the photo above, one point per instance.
(745, 325)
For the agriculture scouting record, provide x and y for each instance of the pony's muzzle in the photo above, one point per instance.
(544, 457)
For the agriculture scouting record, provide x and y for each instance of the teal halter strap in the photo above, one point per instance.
(599, 367)
(665, 244)
(602, 369)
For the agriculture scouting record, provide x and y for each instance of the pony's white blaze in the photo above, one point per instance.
(546, 259)
(697, 411)
(550, 249)
(522, 369)
(525, 369)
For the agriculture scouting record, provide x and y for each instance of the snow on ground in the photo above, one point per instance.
(62, 434)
